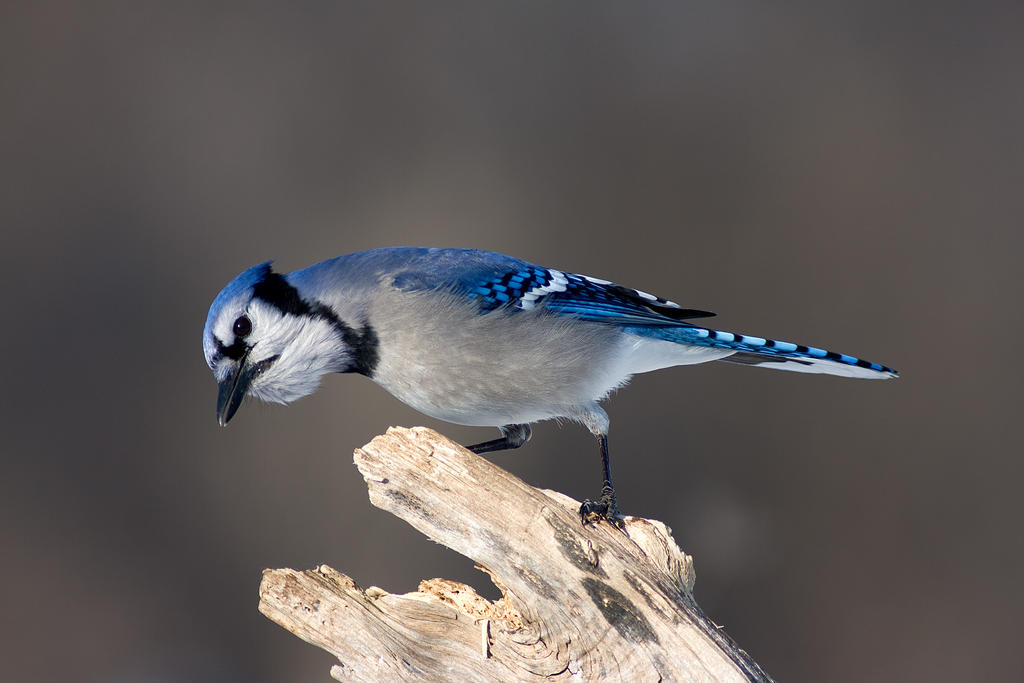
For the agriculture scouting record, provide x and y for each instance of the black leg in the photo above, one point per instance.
(605, 507)
(512, 436)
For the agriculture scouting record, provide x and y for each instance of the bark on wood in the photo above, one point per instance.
(579, 603)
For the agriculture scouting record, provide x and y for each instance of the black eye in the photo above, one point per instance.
(242, 327)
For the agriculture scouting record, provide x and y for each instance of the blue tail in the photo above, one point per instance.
(768, 353)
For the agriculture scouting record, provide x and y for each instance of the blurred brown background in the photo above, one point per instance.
(843, 174)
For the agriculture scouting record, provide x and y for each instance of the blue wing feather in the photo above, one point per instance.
(578, 296)
(499, 281)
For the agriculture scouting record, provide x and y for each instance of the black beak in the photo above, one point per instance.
(232, 390)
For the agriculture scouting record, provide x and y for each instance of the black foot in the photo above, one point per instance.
(605, 508)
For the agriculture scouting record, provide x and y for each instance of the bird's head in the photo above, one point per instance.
(263, 338)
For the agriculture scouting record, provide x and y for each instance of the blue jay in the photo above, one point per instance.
(471, 337)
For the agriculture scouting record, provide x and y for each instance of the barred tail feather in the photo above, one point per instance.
(769, 353)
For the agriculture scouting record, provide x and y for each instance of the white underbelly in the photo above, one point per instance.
(647, 354)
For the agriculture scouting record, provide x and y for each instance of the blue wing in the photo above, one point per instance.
(580, 296)
(497, 281)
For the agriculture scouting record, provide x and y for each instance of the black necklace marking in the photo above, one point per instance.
(364, 345)
(260, 367)
(278, 292)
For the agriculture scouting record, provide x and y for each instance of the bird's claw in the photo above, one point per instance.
(605, 509)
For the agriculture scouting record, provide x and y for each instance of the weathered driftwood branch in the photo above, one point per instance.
(579, 603)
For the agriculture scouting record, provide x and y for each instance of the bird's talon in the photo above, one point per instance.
(604, 509)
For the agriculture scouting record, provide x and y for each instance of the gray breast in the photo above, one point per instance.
(440, 356)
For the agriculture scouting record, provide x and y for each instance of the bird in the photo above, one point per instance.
(472, 337)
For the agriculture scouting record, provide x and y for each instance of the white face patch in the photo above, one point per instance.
(219, 331)
(300, 348)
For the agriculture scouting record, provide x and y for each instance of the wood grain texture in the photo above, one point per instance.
(579, 603)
